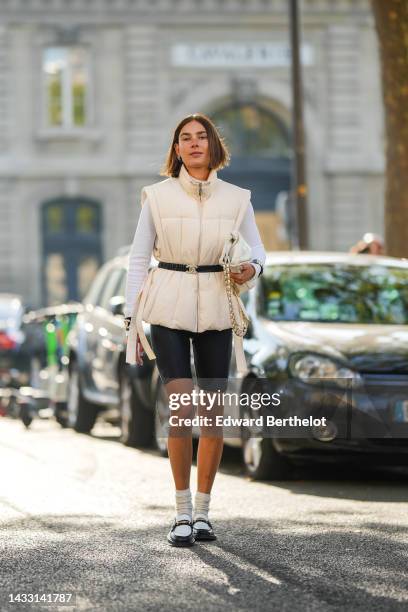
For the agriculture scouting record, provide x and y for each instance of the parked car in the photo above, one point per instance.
(328, 319)
(14, 344)
(100, 381)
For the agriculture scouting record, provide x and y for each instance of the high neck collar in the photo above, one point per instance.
(199, 190)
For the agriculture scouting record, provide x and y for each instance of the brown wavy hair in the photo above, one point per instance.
(219, 154)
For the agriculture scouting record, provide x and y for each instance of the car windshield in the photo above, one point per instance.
(341, 293)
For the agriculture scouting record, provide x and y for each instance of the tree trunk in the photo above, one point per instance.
(391, 18)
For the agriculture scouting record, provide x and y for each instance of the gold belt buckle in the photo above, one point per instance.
(192, 268)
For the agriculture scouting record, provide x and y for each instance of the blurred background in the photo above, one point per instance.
(90, 91)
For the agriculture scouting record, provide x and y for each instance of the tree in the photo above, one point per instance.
(391, 17)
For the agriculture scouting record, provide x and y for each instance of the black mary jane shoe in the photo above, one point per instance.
(177, 540)
(204, 534)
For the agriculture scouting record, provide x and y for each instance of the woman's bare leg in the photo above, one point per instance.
(210, 449)
(180, 443)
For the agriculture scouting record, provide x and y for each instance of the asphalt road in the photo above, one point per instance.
(88, 516)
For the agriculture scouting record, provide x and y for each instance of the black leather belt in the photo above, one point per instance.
(191, 268)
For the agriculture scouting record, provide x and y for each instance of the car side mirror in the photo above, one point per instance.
(117, 304)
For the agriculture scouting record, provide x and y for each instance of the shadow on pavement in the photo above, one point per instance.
(353, 482)
(254, 565)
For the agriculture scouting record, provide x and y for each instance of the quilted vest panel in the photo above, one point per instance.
(189, 231)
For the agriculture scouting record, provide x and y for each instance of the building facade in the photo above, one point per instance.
(90, 91)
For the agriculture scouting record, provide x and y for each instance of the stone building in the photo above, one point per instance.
(90, 91)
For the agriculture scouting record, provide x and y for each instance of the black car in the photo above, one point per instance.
(329, 333)
(100, 380)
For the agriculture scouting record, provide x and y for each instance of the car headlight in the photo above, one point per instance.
(314, 368)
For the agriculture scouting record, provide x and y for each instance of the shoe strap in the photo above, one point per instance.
(182, 522)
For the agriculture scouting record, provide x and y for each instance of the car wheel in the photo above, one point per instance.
(61, 413)
(26, 415)
(262, 461)
(161, 419)
(81, 413)
(136, 422)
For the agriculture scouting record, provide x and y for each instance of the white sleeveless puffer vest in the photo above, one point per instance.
(192, 219)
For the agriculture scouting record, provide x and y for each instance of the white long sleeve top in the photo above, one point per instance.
(142, 248)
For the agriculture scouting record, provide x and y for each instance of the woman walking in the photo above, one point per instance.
(184, 222)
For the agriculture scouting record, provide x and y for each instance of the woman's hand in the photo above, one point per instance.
(247, 272)
(139, 347)
(139, 351)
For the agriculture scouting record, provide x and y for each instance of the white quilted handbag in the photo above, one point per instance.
(236, 251)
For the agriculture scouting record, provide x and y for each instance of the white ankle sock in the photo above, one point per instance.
(184, 511)
(201, 508)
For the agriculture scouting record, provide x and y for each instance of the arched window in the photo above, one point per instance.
(251, 131)
(71, 244)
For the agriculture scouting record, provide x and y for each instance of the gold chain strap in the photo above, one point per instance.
(239, 330)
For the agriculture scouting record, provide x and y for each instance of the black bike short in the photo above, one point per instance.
(211, 349)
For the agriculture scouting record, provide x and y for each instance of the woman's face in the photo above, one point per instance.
(192, 146)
